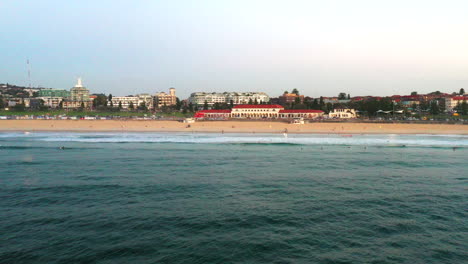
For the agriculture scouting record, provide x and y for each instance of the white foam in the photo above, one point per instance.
(309, 139)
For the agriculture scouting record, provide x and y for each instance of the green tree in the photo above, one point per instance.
(190, 107)
(414, 93)
(231, 104)
(100, 100)
(295, 91)
(462, 108)
(462, 91)
(142, 106)
(286, 92)
(342, 96)
(178, 104)
(19, 107)
(256, 102)
(2, 103)
(205, 105)
(60, 106)
(110, 97)
(120, 105)
(250, 101)
(131, 106)
(434, 108)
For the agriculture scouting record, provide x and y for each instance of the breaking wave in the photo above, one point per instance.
(277, 139)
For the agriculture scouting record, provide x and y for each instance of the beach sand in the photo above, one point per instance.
(228, 127)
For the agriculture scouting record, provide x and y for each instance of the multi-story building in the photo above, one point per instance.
(136, 101)
(79, 97)
(452, 102)
(79, 92)
(53, 93)
(163, 99)
(343, 113)
(288, 98)
(67, 104)
(124, 101)
(200, 98)
(51, 102)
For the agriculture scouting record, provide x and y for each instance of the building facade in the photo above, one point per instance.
(79, 92)
(289, 98)
(452, 102)
(53, 93)
(200, 98)
(79, 97)
(51, 102)
(136, 101)
(259, 112)
(342, 113)
(163, 99)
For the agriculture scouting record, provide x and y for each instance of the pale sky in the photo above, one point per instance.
(361, 47)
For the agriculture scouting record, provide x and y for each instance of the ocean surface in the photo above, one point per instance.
(233, 198)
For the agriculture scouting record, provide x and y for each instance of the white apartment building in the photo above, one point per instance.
(452, 102)
(200, 98)
(343, 113)
(136, 100)
(52, 102)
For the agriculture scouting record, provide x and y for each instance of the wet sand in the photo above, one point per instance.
(228, 127)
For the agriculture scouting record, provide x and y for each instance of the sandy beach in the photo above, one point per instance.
(228, 127)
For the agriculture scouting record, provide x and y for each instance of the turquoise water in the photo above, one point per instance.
(210, 198)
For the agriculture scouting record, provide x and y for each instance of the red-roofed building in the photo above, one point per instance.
(247, 106)
(259, 112)
(298, 113)
(452, 102)
(218, 114)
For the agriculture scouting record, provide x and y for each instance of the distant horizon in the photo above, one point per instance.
(321, 48)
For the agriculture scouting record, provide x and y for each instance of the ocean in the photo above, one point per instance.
(233, 198)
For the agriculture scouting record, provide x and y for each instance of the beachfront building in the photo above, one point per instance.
(136, 101)
(67, 104)
(163, 99)
(256, 111)
(79, 92)
(213, 114)
(124, 101)
(199, 98)
(452, 102)
(79, 97)
(301, 113)
(271, 111)
(342, 113)
(53, 93)
(245, 98)
(51, 102)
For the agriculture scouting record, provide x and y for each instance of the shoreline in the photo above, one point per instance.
(227, 127)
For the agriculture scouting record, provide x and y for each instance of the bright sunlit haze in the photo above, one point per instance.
(319, 47)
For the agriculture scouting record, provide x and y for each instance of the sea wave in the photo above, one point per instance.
(391, 140)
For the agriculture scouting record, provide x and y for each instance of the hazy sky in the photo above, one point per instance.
(361, 47)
